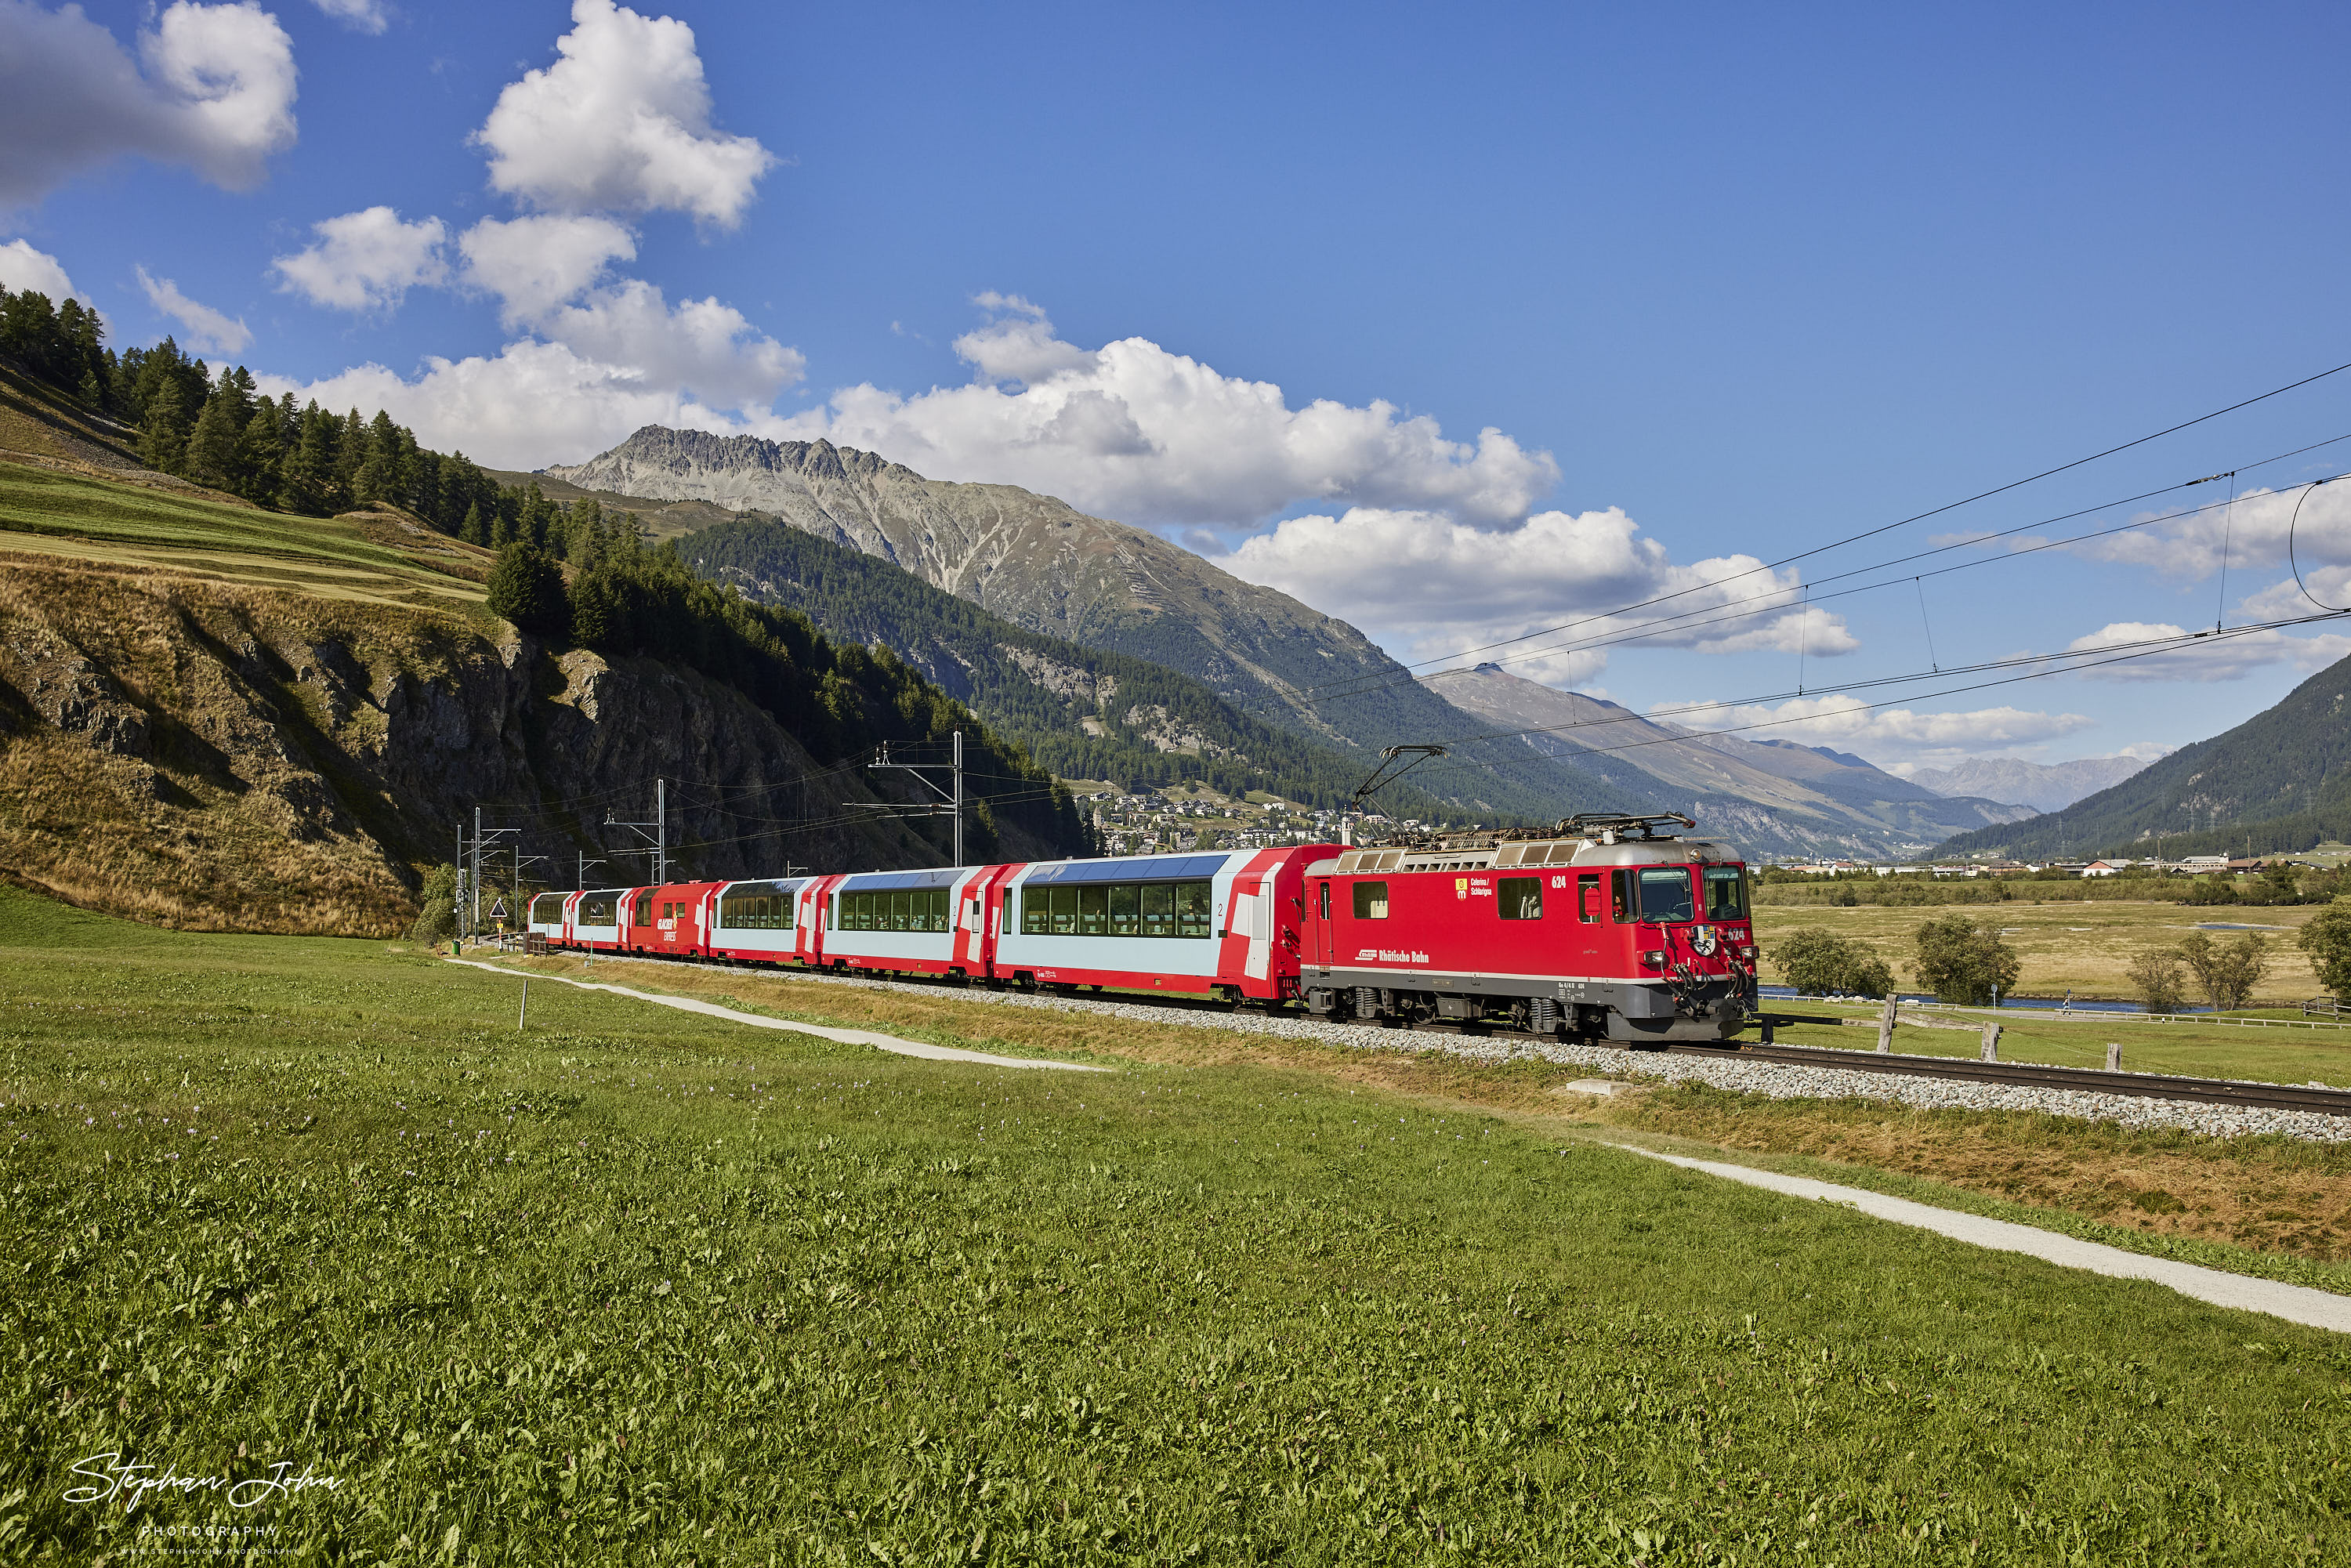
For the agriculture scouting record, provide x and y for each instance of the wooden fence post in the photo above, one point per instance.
(1886, 1027)
(1992, 1042)
(2114, 1056)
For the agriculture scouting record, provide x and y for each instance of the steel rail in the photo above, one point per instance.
(2090, 1080)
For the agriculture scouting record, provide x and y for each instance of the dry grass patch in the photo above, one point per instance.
(2266, 1195)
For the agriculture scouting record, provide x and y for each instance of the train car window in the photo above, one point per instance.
(546, 909)
(1666, 893)
(1093, 910)
(1520, 897)
(596, 912)
(1159, 910)
(645, 915)
(1324, 905)
(1371, 901)
(1726, 892)
(1065, 911)
(1587, 898)
(1123, 913)
(1620, 896)
(1191, 907)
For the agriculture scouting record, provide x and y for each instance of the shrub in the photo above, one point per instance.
(1963, 962)
(2327, 940)
(2228, 971)
(2160, 980)
(2210, 890)
(437, 920)
(1816, 961)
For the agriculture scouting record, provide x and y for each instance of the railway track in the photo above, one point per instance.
(2090, 1080)
(2093, 1080)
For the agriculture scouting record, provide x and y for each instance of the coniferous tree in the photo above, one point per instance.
(163, 434)
(527, 588)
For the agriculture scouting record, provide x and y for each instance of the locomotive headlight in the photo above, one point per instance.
(1747, 951)
(1655, 958)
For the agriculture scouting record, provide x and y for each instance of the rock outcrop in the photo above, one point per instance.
(221, 757)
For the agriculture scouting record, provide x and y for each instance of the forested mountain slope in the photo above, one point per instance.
(1082, 712)
(2281, 780)
(1040, 563)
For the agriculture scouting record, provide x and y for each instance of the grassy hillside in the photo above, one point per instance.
(630, 1286)
(2280, 781)
(1082, 713)
(214, 715)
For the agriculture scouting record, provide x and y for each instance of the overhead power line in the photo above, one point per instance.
(1898, 523)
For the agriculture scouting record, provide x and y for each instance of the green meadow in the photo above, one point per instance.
(627, 1286)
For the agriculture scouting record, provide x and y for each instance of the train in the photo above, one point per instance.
(1605, 928)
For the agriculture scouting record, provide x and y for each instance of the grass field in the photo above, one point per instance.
(2081, 948)
(365, 557)
(633, 1287)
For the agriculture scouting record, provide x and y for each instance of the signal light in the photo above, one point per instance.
(1747, 950)
(1654, 958)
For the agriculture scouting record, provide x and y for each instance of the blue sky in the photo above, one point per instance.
(1722, 283)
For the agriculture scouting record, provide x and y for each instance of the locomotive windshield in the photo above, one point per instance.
(1666, 893)
(1726, 892)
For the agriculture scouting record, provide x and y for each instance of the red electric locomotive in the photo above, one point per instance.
(1606, 928)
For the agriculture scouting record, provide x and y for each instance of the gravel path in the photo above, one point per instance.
(2295, 1304)
(1777, 1082)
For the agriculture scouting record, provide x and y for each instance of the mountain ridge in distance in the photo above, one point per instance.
(1042, 564)
(1768, 800)
(2043, 786)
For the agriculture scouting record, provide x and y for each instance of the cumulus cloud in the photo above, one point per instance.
(531, 404)
(365, 260)
(1897, 734)
(700, 346)
(23, 268)
(621, 122)
(2252, 532)
(207, 329)
(1425, 585)
(360, 15)
(2215, 658)
(212, 88)
(535, 264)
(1134, 431)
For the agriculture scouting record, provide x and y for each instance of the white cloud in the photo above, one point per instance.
(1903, 735)
(700, 346)
(538, 403)
(23, 268)
(620, 122)
(2253, 531)
(1426, 586)
(360, 15)
(531, 405)
(207, 330)
(216, 93)
(1134, 431)
(366, 260)
(2219, 658)
(535, 264)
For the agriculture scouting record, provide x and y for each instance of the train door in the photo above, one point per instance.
(1591, 921)
(1253, 919)
(1322, 919)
